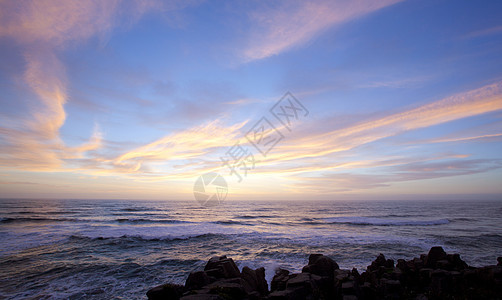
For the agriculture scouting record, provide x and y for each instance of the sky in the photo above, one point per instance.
(328, 99)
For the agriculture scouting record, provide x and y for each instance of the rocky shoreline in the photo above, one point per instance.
(436, 275)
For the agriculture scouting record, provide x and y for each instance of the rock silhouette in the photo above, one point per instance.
(436, 275)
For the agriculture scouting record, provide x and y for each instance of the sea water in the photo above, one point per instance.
(104, 249)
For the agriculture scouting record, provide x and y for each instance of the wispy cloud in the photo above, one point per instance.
(310, 152)
(464, 139)
(483, 32)
(348, 181)
(43, 29)
(483, 100)
(293, 23)
(193, 143)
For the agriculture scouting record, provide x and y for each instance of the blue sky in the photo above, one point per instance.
(136, 99)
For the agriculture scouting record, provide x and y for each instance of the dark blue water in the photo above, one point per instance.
(87, 249)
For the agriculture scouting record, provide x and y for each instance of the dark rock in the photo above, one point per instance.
(228, 288)
(418, 263)
(166, 291)
(255, 280)
(289, 294)
(222, 267)
(437, 275)
(341, 275)
(435, 254)
(197, 280)
(381, 265)
(304, 284)
(401, 264)
(456, 262)
(499, 261)
(349, 288)
(391, 287)
(320, 265)
(279, 281)
(389, 263)
(201, 297)
(367, 291)
(441, 283)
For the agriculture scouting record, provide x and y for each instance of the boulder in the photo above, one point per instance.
(166, 291)
(304, 284)
(279, 281)
(320, 265)
(435, 254)
(254, 280)
(377, 263)
(232, 288)
(197, 280)
(456, 262)
(437, 275)
(222, 267)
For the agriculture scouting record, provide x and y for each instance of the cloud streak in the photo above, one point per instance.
(293, 23)
(43, 29)
(479, 101)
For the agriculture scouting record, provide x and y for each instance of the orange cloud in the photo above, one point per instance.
(42, 28)
(188, 144)
(472, 103)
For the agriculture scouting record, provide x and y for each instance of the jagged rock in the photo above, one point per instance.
(166, 291)
(437, 275)
(197, 280)
(377, 263)
(456, 262)
(255, 280)
(320, 265)
(222, 267)
(435, 254)
(389, 263)
(279, 281)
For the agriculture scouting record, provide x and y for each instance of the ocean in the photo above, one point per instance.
(118, 249)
